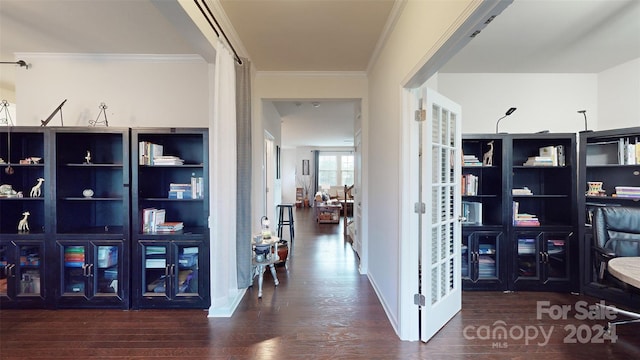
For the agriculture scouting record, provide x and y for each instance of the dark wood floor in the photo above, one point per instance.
(323, 309)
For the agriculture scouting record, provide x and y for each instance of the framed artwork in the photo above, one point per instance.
(305, 167)
(277, 162)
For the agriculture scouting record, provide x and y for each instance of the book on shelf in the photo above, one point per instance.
(523, 191)
(469, 185)
(471, 160)
(472, 213)
(170, 226)
(628, 191)
(151, 217)
(147, 151)
(192, 190)
(167, 160)
(523, 219)
(628, 153)
(539, 161)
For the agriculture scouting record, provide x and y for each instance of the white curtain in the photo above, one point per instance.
(222, 157)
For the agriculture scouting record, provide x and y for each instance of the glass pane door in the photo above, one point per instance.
(29, 270)
(487, 256)
(155, 270)
(5, 269)
(107, 269)
(528, 256)
(74, 270)
(188, 270)
(556, 256)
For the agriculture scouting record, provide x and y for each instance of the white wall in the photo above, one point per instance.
(619, 96)
(420, 29)
(288, 175)
(271, 123)
(139, 90)
(543, 101)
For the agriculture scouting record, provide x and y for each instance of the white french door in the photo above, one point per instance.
(438, 123)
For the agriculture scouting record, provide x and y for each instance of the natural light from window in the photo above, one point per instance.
(335, 169)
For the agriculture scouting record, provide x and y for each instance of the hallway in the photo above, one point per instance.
(322, 309)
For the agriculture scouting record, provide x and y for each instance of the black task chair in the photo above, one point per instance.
(616, 233)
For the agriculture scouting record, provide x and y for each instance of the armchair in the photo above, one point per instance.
(616, 233)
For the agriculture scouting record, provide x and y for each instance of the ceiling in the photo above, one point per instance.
(582, 36)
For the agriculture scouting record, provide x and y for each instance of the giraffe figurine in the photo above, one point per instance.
(487, 159)
(23, 225)
(36, 189)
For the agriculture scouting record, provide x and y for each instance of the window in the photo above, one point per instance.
(335, 169)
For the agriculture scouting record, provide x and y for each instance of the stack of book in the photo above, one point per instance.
(471, 160)
(151, 217)
(539, 161)
(526, 246)
(548, 156)
(147, 151)
(628, 191)
(170, 226)
(519, 192)
(523, 219)
(193, 190)
(167, 160)
(628, 153)
(469, 184)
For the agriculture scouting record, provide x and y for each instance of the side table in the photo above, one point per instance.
(265, 253)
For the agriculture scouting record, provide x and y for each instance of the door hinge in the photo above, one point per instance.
(419, 299)
(421, 114)
(419, 208)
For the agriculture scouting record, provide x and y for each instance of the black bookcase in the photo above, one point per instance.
(544, 256)
(171, 269)
(608, 160)
(91, 185)
(536, 249)
(484, 227)
(25, 267)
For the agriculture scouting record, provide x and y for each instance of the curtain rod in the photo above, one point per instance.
(235, 54)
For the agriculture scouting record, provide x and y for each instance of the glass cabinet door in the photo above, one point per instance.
(107, 269)
(29, 269)
(91, 268)
(21, 271)
(188, 270)
(528, 255)
(74, 269)
(171, 269)
(155, 270)
(466, 255)
(556, 255)
(487, 255)
(5, 269)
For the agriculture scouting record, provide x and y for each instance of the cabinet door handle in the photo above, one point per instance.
(541, 257)
(90, 270)
(166, 271)
(173, 269)
(9, 270)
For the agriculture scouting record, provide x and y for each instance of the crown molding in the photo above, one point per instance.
(394, 15)
(359, 74)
